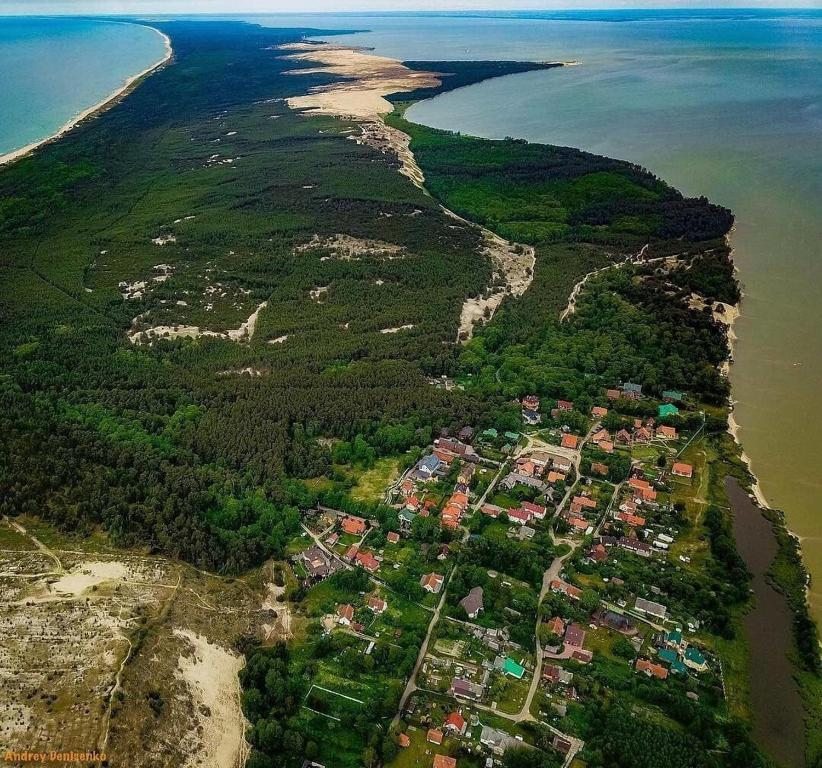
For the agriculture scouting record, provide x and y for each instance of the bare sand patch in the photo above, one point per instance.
(87, 575)
(349, 248)
(398, 328)
(210, 674)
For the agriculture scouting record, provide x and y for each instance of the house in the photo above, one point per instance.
(665, 432)
(556, 675)
(512, 669)
(511, 437)
(345, 614)
(428, 466)
(598, 412)
(598, 468)
(443, 761)
(555, 477)
(317, 563)
(531, 417)
(535, 510)
(518, 515)
(613, 394)
(353, 525)
(642, 435)
(565, 405)
(667, 409)
(694, 659)
(434, 736)
(377, 604)
(582, 656)
(598, 553)
(413, 503)
(633, 520)
(651, 669)
(367, 561)
(431, 582)
(472, 603)
(403, 740)
(332, 539)
(489, 434)
(455, 722)
(584, 501)
(650, 608)
(680, 469)
(530, 403)
(615, 621)
(497, 741)
(559, 462)
(575, 636)
(466, 689)
(407, 517)
(634, 545)
(526, 532)
(466, 434)
(351, 553)
(556, 626)
(579, 523)
(607, 446)
(492, 510)
(558, 585)
(563, 746)
(569, 441)
(392, 537)
(600, 435)
(631, 390)
(673, 395)
(624, 436)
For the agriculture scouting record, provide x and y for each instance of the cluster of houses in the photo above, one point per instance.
(571, 638)
(674, 654)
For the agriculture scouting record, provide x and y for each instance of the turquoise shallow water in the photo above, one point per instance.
(726, 104)
(54, 69)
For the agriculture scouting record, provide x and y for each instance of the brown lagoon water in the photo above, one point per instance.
(727, 104)
(775, 700)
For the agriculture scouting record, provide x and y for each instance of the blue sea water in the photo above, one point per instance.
(53, 69)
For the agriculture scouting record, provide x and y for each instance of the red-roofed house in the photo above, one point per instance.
(607, 446)
(613, 394)
(535, 510)
(570, 441)
(353, 525)
(565, 405)
(556, 625)
(520, 516)
(558, 585)
(599, 468)
(434, 736)
(345, 614)
(404, 740)
(599, 412)
(555, 477)
(377, 604)
(651, 669)
(393, 537)
(368, 561)
(666, 432)
(680, 469)
(584, 501)
(431, 582)
(455, 722)
(492, 510)
(443, 761)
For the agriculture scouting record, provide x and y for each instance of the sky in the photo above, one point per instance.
(306, 6)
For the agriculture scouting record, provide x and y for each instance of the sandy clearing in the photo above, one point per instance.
(210, 674)
(87, 575)
(145, 335)
(397, 329)
(349, 248)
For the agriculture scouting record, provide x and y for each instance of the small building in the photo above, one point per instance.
(432, 582)
(650, 608)
(465, 689)
(681, 469)
(353, 525)
(489, 434)
(466, 434)
(694, 659)
(497, 741)
(598, 468)
(556, 626)
(443, 761)
(575, 636)
(565, 405)
(570, 441)
(345, 614)
(632, 391)
(392, 537)
(667, 409)
(613, 394)
(428, 466)
(434, 736)
(512, 669)
(598, 412)
(377, 604)
(672, 396)
(367, 561)
(472, 603)
(456, 722)
(664, 432)
(651, 669)
(403, 740)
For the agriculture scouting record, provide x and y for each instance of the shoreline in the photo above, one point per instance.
(108, 102)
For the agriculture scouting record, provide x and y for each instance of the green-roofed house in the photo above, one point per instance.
(673, 396)
(407, 516)
(511, 437)
(679, 668)
(490, 434)
(695, 660)
(668, 409)
(674, 637)
(511, 668)
(667, 655)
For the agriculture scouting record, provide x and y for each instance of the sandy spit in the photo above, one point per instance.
(105, 104)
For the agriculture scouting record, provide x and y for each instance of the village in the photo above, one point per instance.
(515, 575)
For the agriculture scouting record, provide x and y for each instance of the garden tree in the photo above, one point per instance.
(622, 647)
(589, 601)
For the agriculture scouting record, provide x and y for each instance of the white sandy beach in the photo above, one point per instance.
(106, 103)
